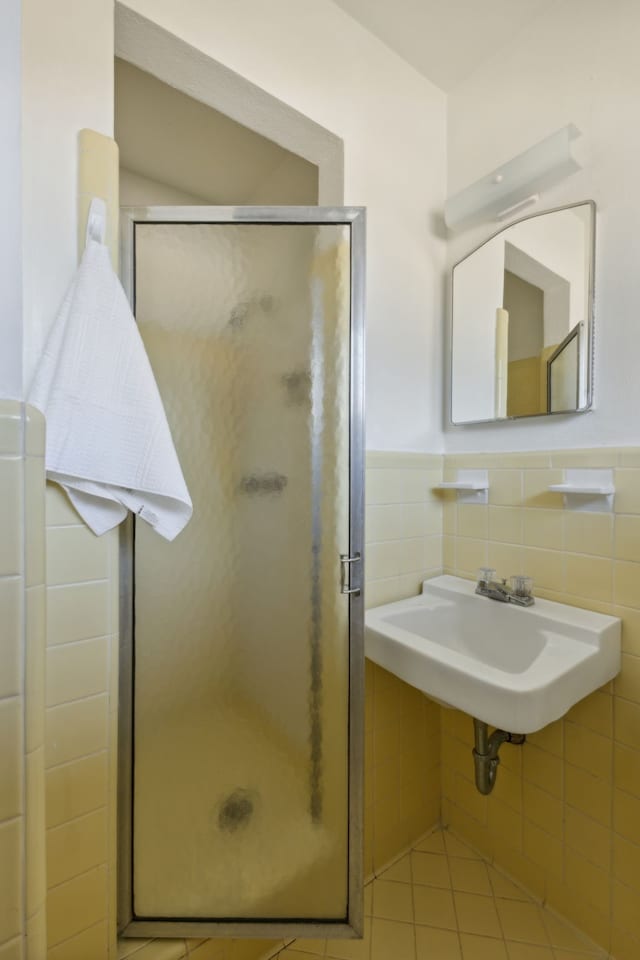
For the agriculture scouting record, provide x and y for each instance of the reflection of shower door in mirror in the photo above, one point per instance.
(241, 757)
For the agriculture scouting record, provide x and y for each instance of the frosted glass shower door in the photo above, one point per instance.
(241, 668)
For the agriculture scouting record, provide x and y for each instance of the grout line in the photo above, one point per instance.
(64, 526)
(91, 696)
(85, 756)
(72, 643)
(413, 908)
(13, 939)
(80, 816)
(23, 679)
(59, 943)
(64, 703)
(83, 873)
(76, 583)
(453, 897)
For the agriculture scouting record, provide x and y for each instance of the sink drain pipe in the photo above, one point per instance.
(485, 753)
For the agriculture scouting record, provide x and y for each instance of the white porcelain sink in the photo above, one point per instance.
(518, 668)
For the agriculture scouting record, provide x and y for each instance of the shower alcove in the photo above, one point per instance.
(241, 699)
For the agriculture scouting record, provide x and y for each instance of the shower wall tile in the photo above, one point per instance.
(78, 611)
(403, 547)
(75, 906)
(93, 942)
(81, 696)
(12, 753)
(75, 555)
(11, 493)
(11, 878)
(22, 860)
(403, 524)
(564, 813)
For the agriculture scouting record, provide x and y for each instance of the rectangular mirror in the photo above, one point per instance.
(522, 319)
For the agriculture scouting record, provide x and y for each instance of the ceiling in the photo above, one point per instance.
(445, 40)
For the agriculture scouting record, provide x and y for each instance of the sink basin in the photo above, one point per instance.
(518, 668)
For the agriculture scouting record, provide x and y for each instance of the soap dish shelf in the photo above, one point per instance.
(587, 489)
(471, 486)
(460, 485)
(605, 490)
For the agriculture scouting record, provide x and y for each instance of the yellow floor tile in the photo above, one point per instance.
(434, 843)
(400, 871)
(522, 921)
(572, 955)
(469, 876)
(392, 941)
(433, 944)
(434, 907)
(477, 915)
(392, 901)
(562, 935)
(348, 949)
(445, 902)
(527, 951)
(482, 948)
(504, 888)
(294, 954)
(315, 948)
(455, 848)
(430, 869)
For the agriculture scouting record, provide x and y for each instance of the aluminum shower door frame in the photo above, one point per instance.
(352, 924)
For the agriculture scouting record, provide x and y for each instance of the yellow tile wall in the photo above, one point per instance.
(80, 732)
(564, 816)
(403, 547)
(22, 854)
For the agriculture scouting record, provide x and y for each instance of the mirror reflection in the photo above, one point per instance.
(522, 325)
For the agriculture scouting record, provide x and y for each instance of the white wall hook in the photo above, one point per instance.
(96, 221)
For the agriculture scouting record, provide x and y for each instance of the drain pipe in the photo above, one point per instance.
(485, 753)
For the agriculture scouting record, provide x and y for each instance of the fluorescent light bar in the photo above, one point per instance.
(516, 183)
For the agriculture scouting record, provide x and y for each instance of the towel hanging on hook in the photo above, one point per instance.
(108, 441)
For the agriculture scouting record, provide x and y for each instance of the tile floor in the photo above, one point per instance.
(441, 901)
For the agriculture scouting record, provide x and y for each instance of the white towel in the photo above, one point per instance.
(108, 441)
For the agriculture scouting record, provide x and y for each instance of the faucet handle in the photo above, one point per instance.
(486, 574)
(521, 585)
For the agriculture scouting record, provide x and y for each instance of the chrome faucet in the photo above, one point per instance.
(519, 592)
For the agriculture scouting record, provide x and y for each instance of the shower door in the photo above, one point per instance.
(241, 676)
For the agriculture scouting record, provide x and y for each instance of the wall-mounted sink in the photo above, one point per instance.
(516, 668)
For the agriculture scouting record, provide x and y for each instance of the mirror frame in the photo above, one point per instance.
(589, 318)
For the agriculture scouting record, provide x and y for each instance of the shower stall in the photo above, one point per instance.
(241, 669)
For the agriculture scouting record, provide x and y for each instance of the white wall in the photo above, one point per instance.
(67, 85)
(318, 60)
(557, 244)
(479, 285)
(579, 64)
(137, 190)
(10, 225)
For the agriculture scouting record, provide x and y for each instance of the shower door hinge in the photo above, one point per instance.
(345, 573)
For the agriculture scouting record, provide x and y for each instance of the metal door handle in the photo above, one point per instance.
(345, 573)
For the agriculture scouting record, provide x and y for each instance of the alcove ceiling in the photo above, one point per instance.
(169, 137)
(445, 40)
